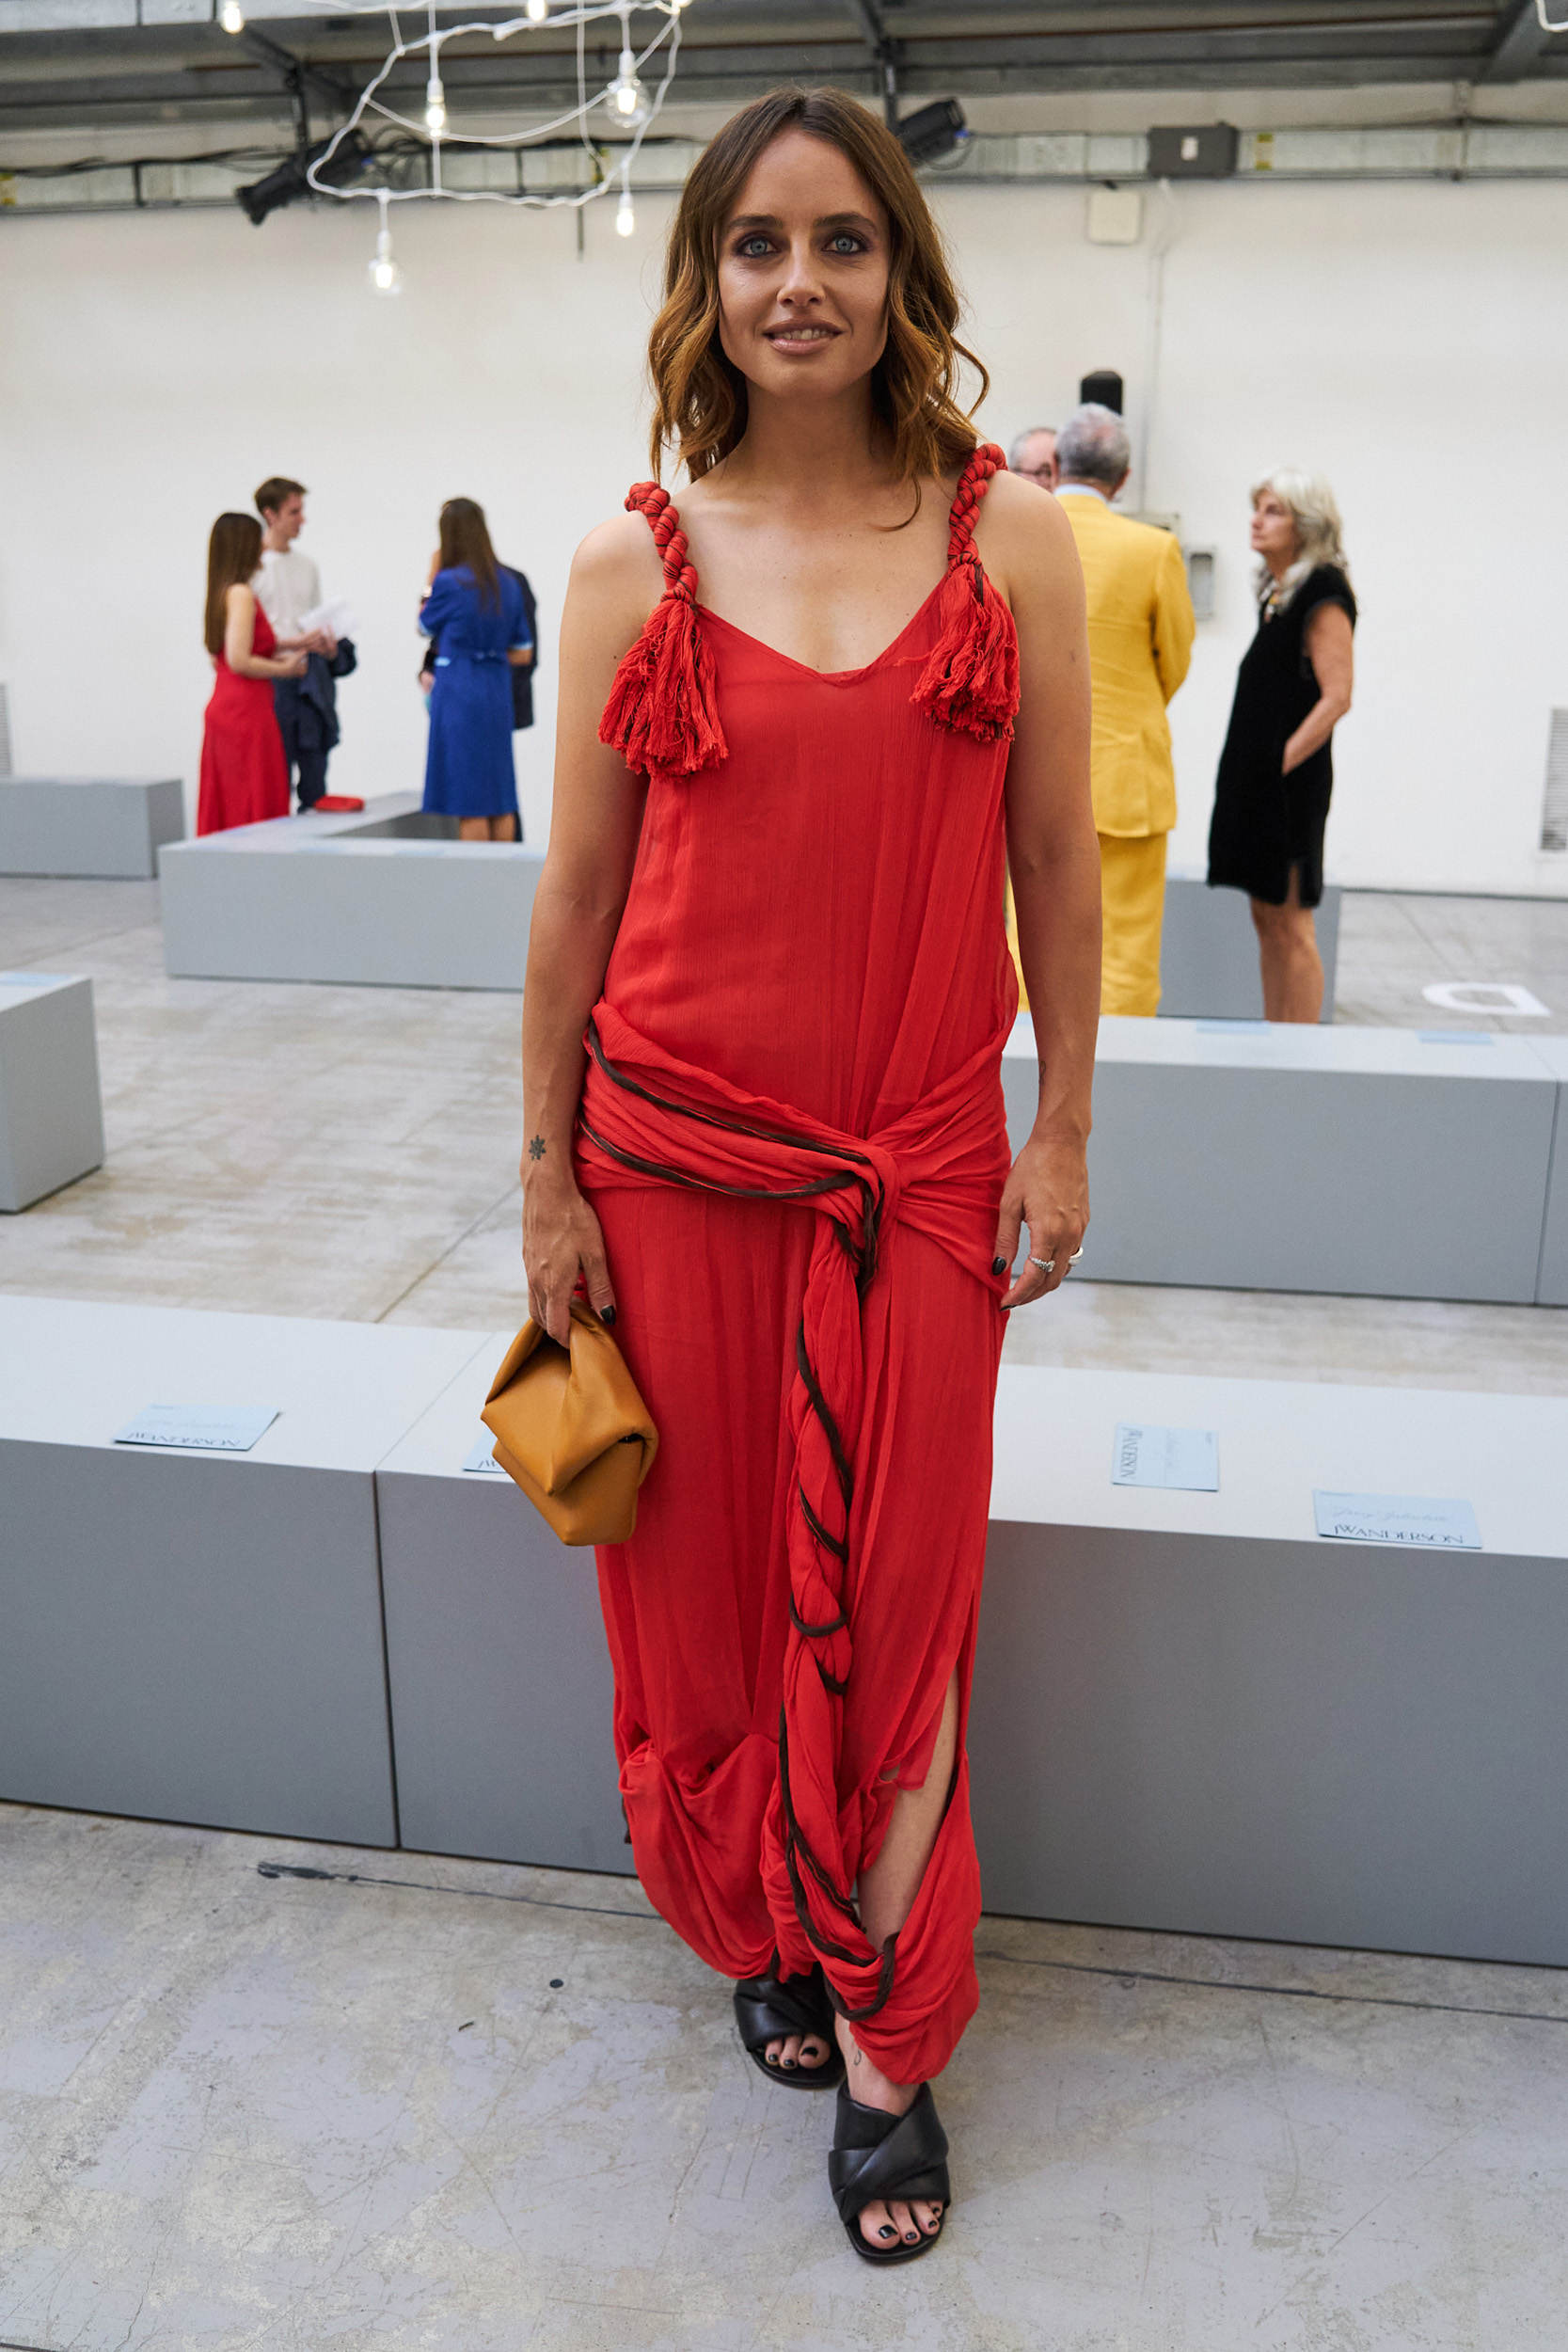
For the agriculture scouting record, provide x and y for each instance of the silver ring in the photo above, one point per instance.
(1046, 1266)
(1076, 1255)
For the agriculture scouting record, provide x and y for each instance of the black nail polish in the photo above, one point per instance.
(607, 1315)
(999, 1266)
(887, 2230)
(911, 2237)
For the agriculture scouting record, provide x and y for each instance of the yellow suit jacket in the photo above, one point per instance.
(1141, 630)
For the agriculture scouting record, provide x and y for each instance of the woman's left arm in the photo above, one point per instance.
(1331, 650)
(1053, 856)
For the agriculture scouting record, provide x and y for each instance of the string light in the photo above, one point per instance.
(385, 276)
(537, 10)
(435, 106)
(625, 214)
(232, 17)
(626, 98)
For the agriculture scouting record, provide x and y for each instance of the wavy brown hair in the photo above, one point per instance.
(466, 539)
(700, 395)
(233, 553)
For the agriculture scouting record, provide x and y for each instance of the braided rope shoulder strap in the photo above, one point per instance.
(970, 682)
(664, 707)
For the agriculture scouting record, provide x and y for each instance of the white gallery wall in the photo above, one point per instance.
(1409, 338)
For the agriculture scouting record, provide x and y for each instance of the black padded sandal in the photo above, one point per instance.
(901, 2157)
(767, 2009)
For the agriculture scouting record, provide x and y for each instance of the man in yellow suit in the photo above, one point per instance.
(1141, 630)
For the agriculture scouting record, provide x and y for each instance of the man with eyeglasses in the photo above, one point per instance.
(1034, 456)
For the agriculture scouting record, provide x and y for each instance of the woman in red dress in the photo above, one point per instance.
(805, 724)
(245, 776)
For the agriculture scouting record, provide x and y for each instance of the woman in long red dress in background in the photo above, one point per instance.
(245, 776)
(805, 722)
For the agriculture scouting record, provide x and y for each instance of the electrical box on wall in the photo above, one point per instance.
(1200, 581)
(1206, 153)
(1115, 215)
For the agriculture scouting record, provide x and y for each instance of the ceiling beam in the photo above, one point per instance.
(1519, 49)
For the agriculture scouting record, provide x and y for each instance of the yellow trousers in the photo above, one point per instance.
(1132, 908)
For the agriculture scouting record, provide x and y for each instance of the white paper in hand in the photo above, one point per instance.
(334, 614)
(1149, 1456)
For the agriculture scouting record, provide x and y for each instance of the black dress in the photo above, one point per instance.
(1264, 822)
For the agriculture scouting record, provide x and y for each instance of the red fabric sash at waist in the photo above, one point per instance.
(939, 1167)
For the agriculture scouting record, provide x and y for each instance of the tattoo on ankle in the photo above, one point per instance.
(536, 1148)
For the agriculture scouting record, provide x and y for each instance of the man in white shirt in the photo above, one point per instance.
(288, 587)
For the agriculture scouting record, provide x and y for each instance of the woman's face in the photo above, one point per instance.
(1274, 535)
(803, 272)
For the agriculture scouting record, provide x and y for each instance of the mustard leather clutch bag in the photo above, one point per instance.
(572, 1430)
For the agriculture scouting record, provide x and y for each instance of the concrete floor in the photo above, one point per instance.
(482, 2108)
(458, 2108)
(349, 1152)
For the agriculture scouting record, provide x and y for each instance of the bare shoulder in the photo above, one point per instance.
(1023, 538)
(239, 597)
(617, 576)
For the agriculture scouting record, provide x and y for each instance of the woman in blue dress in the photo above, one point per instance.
(476, 610)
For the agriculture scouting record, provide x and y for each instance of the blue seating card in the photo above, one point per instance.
(1434, 1519)
(482, 1459)
(1454, 1037)
(32, 980)
(206, 1428)
(1149, 1456)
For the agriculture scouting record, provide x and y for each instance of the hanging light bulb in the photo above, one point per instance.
(537, 10)
(434, 106)
(625, 214)
(231, 17)
(626, 98)
(385, 276)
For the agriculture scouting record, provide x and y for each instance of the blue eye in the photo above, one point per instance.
(753, 249)
(845, 242)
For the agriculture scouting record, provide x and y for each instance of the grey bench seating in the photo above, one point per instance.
(1190, 1713)
(51, 1107)
(93, 826)
(386, 896)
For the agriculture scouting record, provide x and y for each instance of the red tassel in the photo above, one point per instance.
(970, 681)
(664, 707)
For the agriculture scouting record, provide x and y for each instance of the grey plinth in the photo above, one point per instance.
(388, 897)
(87, 825)
(1208, 951)
(501, 1682)
(51, 1109)
(197, 1637)
(1354, 1160)
(1191, 1713)
(1552, 1290)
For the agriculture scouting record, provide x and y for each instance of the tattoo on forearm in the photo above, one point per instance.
(536, 1148)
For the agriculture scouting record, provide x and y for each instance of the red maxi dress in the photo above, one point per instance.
(245, 776)
(792, 1131)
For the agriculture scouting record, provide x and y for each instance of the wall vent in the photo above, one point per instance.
(4, 731)
(1554, 801)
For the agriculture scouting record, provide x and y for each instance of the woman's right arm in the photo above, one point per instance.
(594, 824)
(239, 635)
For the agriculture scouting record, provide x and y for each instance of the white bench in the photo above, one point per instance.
(1552, 1288)
(93, 826)
(1194, 1713)
(198, 1637)
(1191, 1711)
(387, 897)
(51, 1109)
(1209, 966)
(1271, 1157)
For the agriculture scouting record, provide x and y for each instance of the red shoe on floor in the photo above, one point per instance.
(335, 805)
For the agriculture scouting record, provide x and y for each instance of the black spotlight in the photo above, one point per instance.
(1104, 385)
(287, 182)
(933, 131)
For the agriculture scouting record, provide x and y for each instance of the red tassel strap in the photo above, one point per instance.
(970, 681)
(663, 709)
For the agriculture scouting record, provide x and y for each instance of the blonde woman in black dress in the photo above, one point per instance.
(1276, 772)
